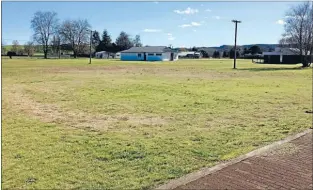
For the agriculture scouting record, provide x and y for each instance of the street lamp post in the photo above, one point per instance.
(235, 56)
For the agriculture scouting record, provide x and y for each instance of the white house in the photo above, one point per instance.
(118, 55)
(189, 54)
(104, 55)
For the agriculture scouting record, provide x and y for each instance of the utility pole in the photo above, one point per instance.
(235, 21)
(90, 46)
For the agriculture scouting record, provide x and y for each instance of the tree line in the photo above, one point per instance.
(253, 50)
(72, 35)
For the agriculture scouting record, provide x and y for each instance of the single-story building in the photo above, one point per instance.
(118, 55)
(190, 54)
(149, 53)
(282, 56)
(104, 55)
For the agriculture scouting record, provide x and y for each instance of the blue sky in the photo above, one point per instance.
(182, 24)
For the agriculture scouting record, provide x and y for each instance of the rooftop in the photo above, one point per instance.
(148, 49)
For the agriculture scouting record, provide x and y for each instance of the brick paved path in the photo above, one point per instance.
(287, 167)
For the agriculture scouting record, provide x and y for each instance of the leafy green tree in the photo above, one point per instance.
(225, 54)
(255, 49)
(105, 43)
(216, 54)
(96, 39)
(124, 41)
(232, 53)
(194, 49)
(246, 51)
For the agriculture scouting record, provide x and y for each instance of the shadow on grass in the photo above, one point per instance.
(273, 69)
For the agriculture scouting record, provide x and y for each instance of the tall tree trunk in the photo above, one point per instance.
(310, 58)
(45, 51)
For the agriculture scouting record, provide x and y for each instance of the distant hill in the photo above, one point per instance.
(264, 47)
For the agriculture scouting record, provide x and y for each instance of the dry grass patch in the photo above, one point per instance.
(53, 113)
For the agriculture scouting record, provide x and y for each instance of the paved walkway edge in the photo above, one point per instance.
(205, 171)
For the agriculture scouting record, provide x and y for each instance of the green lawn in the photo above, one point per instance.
(136, 125)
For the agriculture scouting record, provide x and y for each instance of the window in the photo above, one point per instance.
(139, 54)
(151, 54)
(158, 54)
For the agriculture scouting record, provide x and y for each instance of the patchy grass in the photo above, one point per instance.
(136, 125)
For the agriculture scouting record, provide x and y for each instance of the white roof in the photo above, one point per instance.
(187, 52)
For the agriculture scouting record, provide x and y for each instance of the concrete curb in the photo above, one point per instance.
(206, 171)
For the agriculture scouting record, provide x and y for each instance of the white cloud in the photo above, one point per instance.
(208, 10)
(190, 25)
(195, 30)
(217, 17)
(185, 25)
(152, 30)
(170, 36)
(187, 11)
(155, 2)
(281, 22)
(195, 24)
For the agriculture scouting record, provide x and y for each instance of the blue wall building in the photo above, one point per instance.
(149, 53)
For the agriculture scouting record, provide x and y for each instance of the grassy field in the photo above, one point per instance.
(136, 125)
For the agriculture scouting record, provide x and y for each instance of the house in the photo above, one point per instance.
(149, 53)
(118, 55)
(282, 56)
(190, 54)
(104, 55)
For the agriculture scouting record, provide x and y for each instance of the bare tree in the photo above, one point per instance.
(44, 25)
(76, 33)
(15, 46)
(55, 44)
(29, 48)
(298, 30)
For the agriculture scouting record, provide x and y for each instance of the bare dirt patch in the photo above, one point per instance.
(52, 113)
(283, 150)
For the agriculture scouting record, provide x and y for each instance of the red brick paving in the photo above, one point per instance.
(280, 169)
